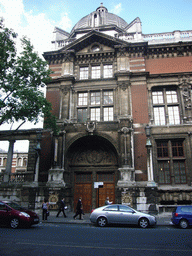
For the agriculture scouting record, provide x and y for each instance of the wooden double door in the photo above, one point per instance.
(84, 187)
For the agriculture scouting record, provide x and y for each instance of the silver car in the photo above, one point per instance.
(121, 214)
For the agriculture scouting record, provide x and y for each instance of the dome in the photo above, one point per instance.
(100, 18)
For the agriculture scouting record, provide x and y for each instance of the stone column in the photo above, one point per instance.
(55, 174)
(9, 161)
(38, 150)
(127, 172)
(63, 151)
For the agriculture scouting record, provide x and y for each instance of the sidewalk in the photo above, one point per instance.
(162, 219)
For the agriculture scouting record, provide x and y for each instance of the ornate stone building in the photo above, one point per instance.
(123, 105)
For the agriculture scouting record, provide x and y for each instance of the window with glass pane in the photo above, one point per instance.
(173, 113)
(157, 97)
(96, 72)
(84, 72)
(108, 97)
(108, 114)
(95, 98)
(177, 148)
(164, 172)
(95, 114)
(180, 172)
(82, 115)
(82, 99)
(107, 71)
(162, 149)
(165, 107)
(171, 96)
(159, 115)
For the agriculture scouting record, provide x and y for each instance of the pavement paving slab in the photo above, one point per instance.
(162, 219)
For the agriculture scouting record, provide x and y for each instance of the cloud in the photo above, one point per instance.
(35, 26)
(117, 9)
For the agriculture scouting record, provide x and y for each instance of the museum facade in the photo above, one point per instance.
(122, 100)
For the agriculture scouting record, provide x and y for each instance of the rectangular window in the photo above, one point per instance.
(96, 72)
(84, 72)
(95, 114)
(83, 177)
(173, 153)
(164, 172)
(179, 172)
(159, 115)
(173, 113)
(165, 107)
(177, 149)
(108, 114)
(82, 99)
(157, 97)
(96, 105)
(107, 71)
(107, 97)
(82, 115)
(162, 149)
(171, 96)
(95, 98)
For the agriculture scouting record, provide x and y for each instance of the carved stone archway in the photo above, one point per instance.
(91, 159)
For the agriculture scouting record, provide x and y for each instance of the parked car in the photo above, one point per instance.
(14, 215)
(121, 214)
(182, 216)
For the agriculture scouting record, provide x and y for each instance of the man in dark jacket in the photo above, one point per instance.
(62, 208)
(79, 209)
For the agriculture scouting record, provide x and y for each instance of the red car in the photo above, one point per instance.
(14, 215)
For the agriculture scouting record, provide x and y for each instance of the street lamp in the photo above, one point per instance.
(148, 130)
(151, 182)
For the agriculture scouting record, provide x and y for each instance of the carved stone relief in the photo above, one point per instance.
(89, 157)
(186, 91)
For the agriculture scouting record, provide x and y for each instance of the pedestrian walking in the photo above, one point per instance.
(45, 207)
(79, 209)
(62, 208)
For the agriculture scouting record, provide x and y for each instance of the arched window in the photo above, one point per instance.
(19, 162)
(25, 162)
(96, 20)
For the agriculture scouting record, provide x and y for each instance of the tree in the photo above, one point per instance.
(21, 79)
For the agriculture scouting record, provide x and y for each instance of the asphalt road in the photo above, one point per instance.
(55, 239)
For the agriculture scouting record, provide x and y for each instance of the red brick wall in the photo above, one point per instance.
(140, 116)
(169, 65)
(54, 98)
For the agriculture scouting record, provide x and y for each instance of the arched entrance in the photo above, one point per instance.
(93, 159)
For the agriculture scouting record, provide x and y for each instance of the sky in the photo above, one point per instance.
(36, 19)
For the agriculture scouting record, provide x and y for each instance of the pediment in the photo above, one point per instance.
(84, 43)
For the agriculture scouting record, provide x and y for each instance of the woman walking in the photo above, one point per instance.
(45, 206)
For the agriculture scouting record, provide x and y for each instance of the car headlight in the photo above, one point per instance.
(24, 214)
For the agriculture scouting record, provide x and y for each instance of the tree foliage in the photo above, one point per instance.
(21, 79)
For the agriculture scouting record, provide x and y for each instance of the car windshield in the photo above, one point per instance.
(14, 206)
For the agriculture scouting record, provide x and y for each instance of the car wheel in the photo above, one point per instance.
(183, 224)
(14, 223)
(102, 222)
(143, 223)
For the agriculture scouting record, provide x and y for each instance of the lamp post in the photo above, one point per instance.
(151, 182)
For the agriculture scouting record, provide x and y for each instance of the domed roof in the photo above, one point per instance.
(99, 18)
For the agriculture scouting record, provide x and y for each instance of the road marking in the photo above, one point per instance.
(107, 248)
